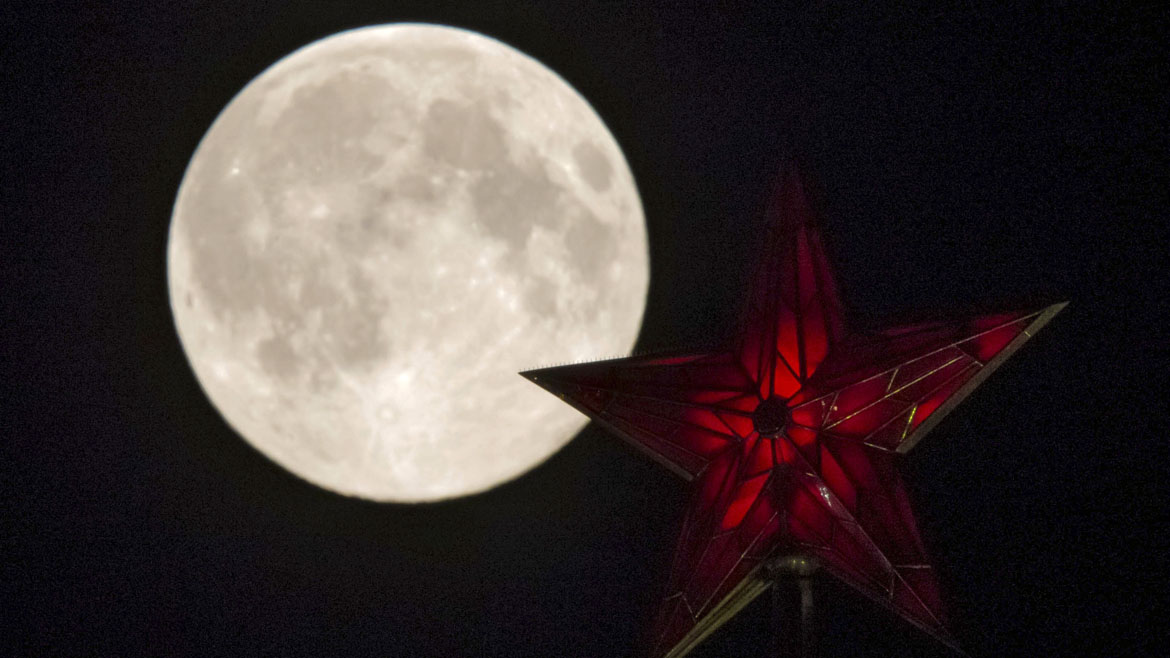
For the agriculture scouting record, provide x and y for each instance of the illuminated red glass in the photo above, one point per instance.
(826, 484)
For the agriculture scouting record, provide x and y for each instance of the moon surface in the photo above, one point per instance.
(377, 233)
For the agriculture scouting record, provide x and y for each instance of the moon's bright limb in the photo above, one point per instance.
(377, 234)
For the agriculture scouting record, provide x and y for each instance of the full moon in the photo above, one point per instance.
(377, 233)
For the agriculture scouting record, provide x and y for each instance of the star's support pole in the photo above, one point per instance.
(793, 633)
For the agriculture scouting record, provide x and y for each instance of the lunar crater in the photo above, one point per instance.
(594, 167)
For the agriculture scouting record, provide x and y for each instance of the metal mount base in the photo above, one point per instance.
(793, 632)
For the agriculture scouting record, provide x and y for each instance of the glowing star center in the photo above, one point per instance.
(771, 417)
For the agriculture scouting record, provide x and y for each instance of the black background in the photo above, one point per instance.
(965, 160)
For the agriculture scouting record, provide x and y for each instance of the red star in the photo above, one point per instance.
(791, 436)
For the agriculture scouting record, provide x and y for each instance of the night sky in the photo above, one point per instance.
(964, 161)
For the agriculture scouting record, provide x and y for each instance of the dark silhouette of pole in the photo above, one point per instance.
(793, 632)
